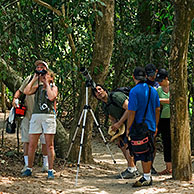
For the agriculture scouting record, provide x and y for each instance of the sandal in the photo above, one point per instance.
(165, 172)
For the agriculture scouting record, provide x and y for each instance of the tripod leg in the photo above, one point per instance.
(81, 144)
(105, 142)
(74, 136)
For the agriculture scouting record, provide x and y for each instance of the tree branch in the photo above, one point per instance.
(48, 7)
(10, 78)
(11, 4)
(63, 23)
(9, 26)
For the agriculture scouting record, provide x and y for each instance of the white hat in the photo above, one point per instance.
(41, 62)
(115, 134)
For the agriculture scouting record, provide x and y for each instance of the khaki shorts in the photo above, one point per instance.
(42, 123)
(25, 131)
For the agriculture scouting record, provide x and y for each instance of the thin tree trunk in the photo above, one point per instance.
(144, 16)
(3, 100)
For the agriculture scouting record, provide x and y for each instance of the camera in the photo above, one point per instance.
(89, 80)
(43, 107)
(43, 72)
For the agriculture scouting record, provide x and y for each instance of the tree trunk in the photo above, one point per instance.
(3, 100)
(191, 96)
(102, 53)
(13, 82)
(119, 64)
(9, 76)
(61, 140)
(180, 131)
(144, 16)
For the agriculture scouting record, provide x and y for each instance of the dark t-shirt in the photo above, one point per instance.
(42, 105)
(115, 111)
(152, 83)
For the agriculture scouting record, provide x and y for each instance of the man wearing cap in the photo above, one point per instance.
(117, 112)
(151, 72)
(136, 108)
(29, 102)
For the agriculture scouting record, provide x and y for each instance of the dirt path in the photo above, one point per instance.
(98, 178)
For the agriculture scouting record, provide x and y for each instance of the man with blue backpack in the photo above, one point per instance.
(115, 105)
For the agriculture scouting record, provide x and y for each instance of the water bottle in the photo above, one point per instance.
(17, 102)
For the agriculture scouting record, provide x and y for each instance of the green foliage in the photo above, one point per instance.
(29, 31)
(134, 48)
(33, 32)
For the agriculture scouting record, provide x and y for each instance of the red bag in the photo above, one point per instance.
(20, 111)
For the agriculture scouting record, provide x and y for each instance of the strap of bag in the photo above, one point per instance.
(112, 101)
(24, 95)
(147, 103)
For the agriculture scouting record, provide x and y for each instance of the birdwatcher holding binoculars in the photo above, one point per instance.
(43, 120)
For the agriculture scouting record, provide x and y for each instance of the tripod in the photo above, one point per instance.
(84, 115)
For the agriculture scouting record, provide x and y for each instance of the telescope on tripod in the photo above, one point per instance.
(89, 80)
(92, 84)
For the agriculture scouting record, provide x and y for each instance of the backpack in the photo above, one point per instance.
(124, 90)
(10, 122)
(10, 127)
(20, 110)
(141, 141)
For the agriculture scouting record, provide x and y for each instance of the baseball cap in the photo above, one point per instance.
(162, 74)
(41, 62)
(150, 69)
(139, 73)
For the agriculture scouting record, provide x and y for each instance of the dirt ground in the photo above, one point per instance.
(98, 178)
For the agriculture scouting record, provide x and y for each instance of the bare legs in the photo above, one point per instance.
(48, 148)
(32, 147)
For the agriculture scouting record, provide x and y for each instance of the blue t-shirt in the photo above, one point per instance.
(138, 98)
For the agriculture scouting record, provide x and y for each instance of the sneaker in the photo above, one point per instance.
(153, 170)
(24, 169)
(27, 172)
(142, 182)
(50, 175)
(165, 172)
(137, 173)
(44, 169)
(128, 175)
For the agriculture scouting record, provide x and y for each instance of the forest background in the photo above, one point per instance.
(109, 38)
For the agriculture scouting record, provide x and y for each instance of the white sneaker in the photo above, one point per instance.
(44, 169)
(24, 169)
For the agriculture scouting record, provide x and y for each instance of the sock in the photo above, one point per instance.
(45, 160)
(26, 160)
(147, 176)
(132, 169)
(29, 169)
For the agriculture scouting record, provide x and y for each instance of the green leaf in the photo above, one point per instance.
(163, 27)
(14, 43)
(28, 23)
(69, 30)
(100, 13)
(102, 3)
